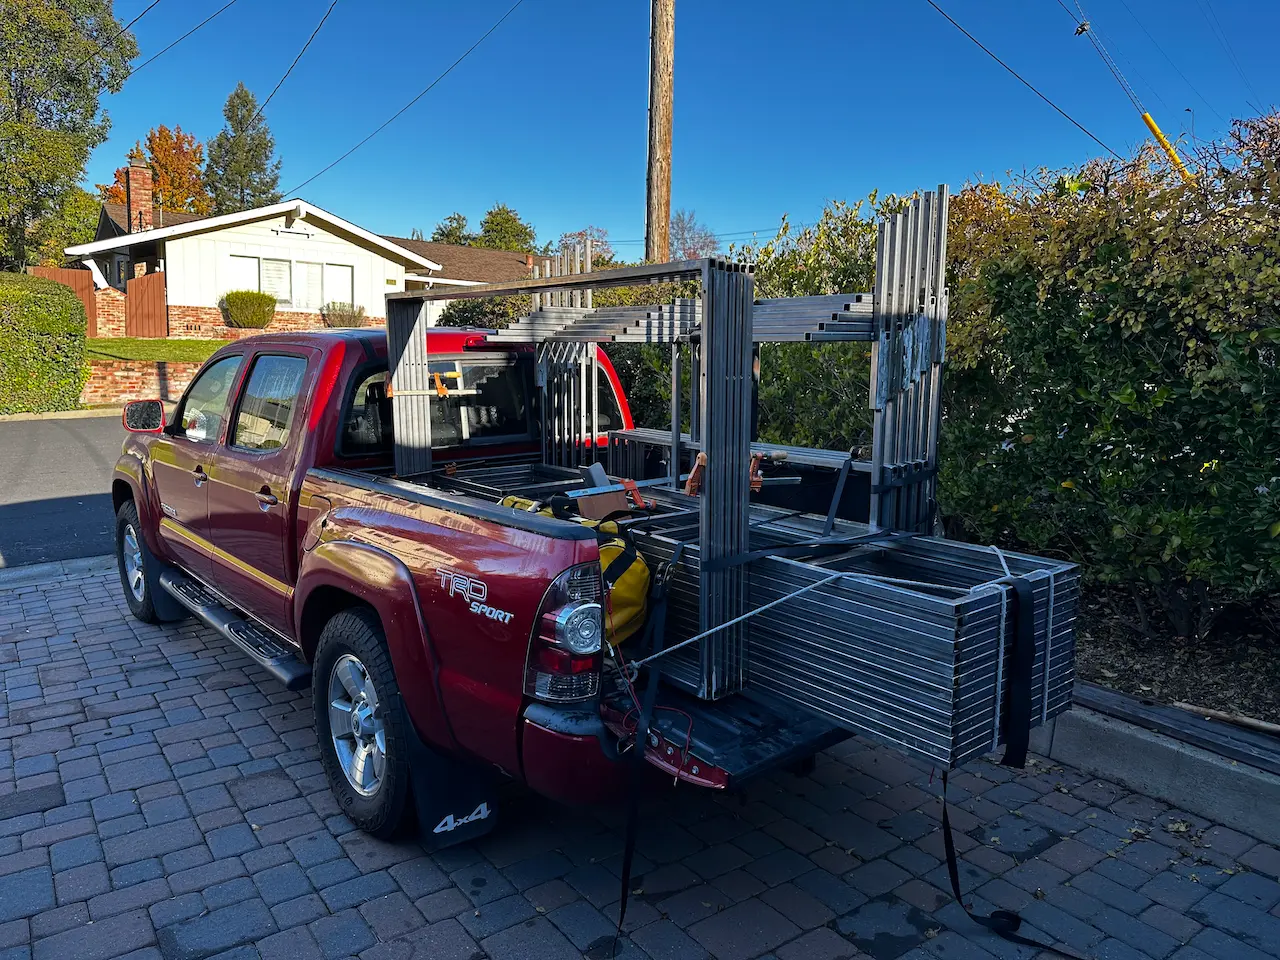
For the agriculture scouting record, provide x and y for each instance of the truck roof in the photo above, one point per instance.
(441, 339)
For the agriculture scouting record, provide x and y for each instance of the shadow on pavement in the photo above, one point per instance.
(61, 528)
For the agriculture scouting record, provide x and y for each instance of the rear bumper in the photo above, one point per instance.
(569, 755)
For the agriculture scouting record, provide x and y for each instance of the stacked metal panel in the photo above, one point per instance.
(661, 323)
(570, 421)
(410, 386)
(724, 396)
(910, 317)
(924, 667)
(842, 316)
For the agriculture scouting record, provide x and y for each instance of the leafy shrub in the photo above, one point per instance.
(1110, 391)
(42, 333)
(343, 315)
(248, 309)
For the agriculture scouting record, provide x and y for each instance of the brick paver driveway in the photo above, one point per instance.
(160, 799)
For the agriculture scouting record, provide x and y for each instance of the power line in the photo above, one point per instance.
(1086, 27)
(386, 123)
(1170, 59)
(1221, 35)
(719, 236)
(115, 36)
(157, 56)
(100, 47)
(1026, 83)
(295, 61)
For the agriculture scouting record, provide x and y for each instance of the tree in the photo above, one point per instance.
(56, 59)
(601, 248)
(242, 172)
(75, 221)
(175, 159)
(453, 229)
(691, 240)
(502, 229)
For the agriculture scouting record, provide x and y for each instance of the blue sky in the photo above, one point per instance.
(778, 106)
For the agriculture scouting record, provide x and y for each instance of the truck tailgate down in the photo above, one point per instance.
(722, 743)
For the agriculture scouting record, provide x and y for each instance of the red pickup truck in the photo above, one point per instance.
(445, 638)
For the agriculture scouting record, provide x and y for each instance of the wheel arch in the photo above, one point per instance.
(340, 574)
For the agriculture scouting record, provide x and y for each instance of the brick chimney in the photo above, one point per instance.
(138, 195)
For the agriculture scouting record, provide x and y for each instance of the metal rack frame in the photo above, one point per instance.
(747, 609)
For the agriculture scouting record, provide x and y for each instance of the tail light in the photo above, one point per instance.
(565, 649)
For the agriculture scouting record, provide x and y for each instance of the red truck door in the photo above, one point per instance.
(181, 459)
(249, 487)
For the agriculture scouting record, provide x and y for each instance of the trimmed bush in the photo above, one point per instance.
(343, 315)
(42, 328)
(248, 309)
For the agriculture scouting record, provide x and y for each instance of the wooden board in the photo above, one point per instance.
(146, 314)
(80, 281)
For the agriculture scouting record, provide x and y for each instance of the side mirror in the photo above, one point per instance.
(143, 416)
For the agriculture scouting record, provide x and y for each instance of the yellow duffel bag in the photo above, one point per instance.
(626, 575)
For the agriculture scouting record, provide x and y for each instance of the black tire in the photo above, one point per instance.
(358, 633)
(140, 593)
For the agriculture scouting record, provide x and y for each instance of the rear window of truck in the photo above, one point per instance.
(477, 400)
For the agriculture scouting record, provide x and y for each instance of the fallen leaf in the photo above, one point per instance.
(931, 932)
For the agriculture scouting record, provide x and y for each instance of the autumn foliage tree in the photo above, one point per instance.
(177, 169)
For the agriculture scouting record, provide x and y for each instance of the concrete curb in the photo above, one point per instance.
(24, 576)
(64, 414)
(1190, 778)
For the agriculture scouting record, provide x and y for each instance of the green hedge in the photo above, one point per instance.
(42, 334)
(248, 309)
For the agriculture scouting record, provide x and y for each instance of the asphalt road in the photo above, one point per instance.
(55, 488)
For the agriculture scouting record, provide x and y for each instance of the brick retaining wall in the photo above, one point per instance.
(117, 381)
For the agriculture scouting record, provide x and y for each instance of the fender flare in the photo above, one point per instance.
(382, 581)
(131, 471)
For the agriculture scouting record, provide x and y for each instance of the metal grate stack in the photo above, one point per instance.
(913, 663)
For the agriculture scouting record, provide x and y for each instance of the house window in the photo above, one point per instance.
(339, 283)
(244, 273)
(276, 280)
(309, 279)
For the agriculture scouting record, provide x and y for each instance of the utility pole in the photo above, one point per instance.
(662, 42)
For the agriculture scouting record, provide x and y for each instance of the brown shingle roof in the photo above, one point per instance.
(469, 263)
(118, 214)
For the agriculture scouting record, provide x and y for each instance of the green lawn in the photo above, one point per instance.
(133, 348)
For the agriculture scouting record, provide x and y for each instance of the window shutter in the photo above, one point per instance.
(339, 283)
(310, 286)
(276, 281)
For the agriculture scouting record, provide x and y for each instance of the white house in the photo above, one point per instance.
(158, 279)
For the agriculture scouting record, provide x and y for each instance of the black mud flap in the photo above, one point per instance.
(456, 802)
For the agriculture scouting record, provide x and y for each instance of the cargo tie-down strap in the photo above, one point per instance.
(1006, 923)
(657, 627)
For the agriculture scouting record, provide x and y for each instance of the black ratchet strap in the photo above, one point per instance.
(1017, 725)
(1003, 923)
(1017, 713)
(657, 633)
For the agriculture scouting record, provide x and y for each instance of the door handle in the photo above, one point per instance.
(266, 498)
(200, 475)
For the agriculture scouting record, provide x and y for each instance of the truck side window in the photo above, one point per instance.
(366, 425)
(206, 402)
(267, 403)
